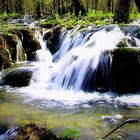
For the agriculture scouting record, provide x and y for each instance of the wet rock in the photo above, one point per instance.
(14, 46)
(17, 77)
(126, 70)
(28, 132)
(30, 43)
(122, 44)
(112, 119)
(52, 37)
(132, 30)
(33, 132)
(16, 32)
(5, 57)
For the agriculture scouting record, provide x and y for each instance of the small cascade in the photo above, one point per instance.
(20, 56)
(71, 39)
(43, 54)
(79, 65)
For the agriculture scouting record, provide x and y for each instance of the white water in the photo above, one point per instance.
(62, 81)
(77, 61)
(19, 50)
(43, 55)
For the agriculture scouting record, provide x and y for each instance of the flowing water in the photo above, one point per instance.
(64, 89)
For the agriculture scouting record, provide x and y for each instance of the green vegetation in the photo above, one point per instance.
(71, 134)
(134, 16)
(2, 96)
(71, 21)
(49, 128)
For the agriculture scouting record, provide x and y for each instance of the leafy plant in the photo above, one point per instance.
(71, 134)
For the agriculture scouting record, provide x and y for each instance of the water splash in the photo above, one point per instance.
(43, 55)
(20, 56)
(75, 65)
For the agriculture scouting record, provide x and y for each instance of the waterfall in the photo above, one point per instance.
(20, 56)
(80, 63)
(43, 55)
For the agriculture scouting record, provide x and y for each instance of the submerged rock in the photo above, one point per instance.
(114, 119)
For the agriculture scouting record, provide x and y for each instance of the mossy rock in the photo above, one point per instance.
(16, 32)
(33, 46)
(2, 42)
(122, 44)
(5, 56)
(126, 70)
(52, 37)
(18, 77)
(34, 132)
(12, 42)
(27, 34)
(30, 43)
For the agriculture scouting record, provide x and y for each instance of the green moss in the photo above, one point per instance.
(122, 44)
(2, 96)
(71, 134)
(125, 70)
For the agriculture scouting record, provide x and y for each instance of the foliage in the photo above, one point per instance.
(70, 21)
(71, 133)
(1, 96)
(134, 16)
(49, 128)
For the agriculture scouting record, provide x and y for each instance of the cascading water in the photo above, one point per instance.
(43, 54)
(20, 53)
(76, 64)
(70, 83)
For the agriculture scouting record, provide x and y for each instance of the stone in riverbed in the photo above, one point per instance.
(17, 77)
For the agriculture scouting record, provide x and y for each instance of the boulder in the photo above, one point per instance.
(30, 43)
(5, 57)
(126, 70)
(52, 37)
(14, 46)
(17, 77)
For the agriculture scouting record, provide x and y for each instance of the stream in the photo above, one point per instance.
(82, 86)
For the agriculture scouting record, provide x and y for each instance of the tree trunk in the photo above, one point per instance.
(62, 7)
(109, 5)
(112, 6)
(137, 4)
(96, 5)
(78, 7)
(87, 5)
(59, 7)
(38, 10)
(122, 11)
(92, 2)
